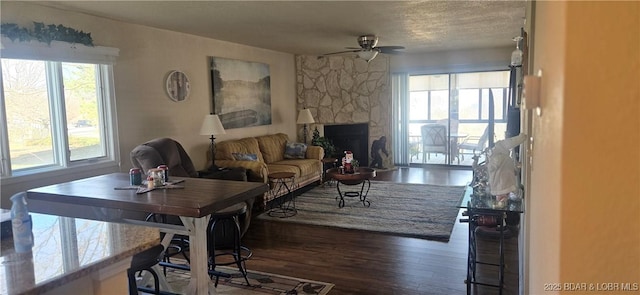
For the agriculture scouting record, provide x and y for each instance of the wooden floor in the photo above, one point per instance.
(360, 262)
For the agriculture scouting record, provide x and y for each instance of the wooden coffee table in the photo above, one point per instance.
(361, 176)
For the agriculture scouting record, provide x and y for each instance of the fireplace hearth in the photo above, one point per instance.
(350, 137)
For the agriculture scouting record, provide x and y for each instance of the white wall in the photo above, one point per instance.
(147, 55)
(544, 200)
(584, 199)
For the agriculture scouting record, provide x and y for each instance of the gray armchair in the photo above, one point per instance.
(166, 151)
(163, 151)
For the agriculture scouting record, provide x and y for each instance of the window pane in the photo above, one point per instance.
(439, 104)
(468, 105)
(419, 105)
(81, 103)
(428, 82)
(27, 107)
(485, 104)
(414, 132)
(498, 102)
(483, 80)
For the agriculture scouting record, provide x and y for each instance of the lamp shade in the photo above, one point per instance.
(305, 117)
(367, 55)
(211, 125)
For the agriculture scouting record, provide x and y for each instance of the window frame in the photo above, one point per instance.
(54, 55)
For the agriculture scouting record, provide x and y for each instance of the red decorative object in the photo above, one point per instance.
(346, 162)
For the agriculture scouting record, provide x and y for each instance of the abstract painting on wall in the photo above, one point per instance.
(241, 92)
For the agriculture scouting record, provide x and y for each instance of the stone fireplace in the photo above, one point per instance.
(350, 137)
(345, 91)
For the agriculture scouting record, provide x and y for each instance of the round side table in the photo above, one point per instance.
(283, 181)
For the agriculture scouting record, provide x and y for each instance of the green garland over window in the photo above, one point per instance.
(45, 33)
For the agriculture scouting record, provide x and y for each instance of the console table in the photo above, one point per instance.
(479, 208)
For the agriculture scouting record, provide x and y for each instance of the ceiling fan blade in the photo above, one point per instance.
(392, 52)
(341, 52)
(389, 49)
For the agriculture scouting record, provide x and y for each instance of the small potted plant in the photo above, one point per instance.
(325, 143)
(355, 165)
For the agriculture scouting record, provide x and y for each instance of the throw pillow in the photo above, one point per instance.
(245, 157)
(295, 150)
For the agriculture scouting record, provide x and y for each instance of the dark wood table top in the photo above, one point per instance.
(361, 174)
(198, 198)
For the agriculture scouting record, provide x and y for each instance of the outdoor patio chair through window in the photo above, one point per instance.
(434, 140)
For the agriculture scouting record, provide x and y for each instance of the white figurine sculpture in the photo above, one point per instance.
(502, 170)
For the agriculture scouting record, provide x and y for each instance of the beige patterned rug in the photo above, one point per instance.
(261, 283)
(414, 210)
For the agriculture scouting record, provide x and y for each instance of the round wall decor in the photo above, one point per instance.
(178, 86)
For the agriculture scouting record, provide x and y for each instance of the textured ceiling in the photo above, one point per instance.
(318, 27)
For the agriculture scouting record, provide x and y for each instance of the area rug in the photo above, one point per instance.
(413, 210)
(261, 283)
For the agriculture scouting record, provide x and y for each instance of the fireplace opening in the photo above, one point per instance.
(350, 137)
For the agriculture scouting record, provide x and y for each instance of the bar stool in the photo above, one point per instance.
(224, 240)
(144, 261)
(179, 243)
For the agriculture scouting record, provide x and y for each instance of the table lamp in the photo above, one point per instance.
(211, 125)
(305, 117)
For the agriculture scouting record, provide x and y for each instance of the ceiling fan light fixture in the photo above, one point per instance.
(368, 41)
(367, 55)
(368, 49)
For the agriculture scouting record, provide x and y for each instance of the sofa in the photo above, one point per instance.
(267, 154)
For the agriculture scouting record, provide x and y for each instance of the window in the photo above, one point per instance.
(462, 100)
(56, 115)
(474, 104)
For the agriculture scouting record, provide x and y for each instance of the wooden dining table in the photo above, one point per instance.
(107, 198)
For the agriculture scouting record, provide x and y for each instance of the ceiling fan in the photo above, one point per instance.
(368, 49)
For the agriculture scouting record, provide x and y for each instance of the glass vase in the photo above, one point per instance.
(516, 55)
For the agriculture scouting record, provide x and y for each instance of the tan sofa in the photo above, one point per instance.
(270, 150)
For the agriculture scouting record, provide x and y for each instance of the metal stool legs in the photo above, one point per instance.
(227, 225)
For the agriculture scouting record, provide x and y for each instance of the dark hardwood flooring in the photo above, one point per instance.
(360, 262)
